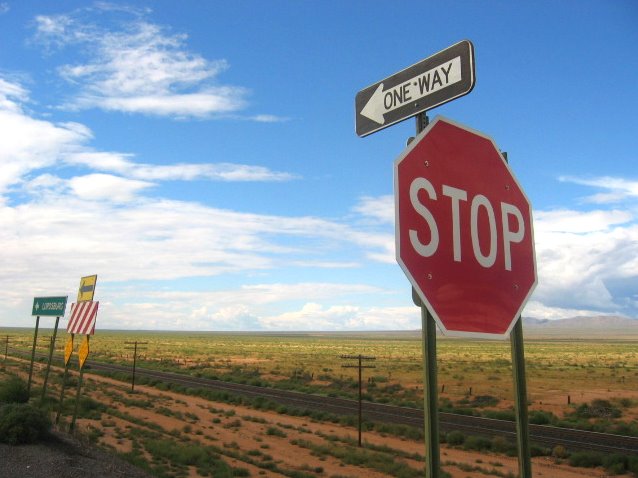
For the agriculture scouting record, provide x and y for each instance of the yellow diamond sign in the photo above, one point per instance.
(83, 353)
(68, 350)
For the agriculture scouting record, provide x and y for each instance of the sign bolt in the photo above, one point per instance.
(429, 276)
(507, 187)
(427, 164)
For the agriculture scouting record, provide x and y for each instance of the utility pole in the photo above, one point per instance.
(134, 348)
(360, 358)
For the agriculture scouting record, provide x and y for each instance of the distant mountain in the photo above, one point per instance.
(583, 327)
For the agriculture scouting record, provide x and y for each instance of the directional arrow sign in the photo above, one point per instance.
(49, 306)
(431, 82)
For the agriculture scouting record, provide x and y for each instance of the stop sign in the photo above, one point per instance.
(464, 230)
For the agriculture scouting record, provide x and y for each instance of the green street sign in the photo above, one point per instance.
(50, 306)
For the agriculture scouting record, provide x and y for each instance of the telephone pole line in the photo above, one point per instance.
(360, 358)
(135, 345)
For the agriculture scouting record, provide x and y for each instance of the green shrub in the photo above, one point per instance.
(274, 431)
(484, 401)
(21, 423)
(500, 415)
(598, 409)
(500, 444)
(559, 451)
(537, 450)
(89, 408)
(586, 459)
(538, 417)
(477, 443)
(455, 438)
(618, 463)
(14, 390)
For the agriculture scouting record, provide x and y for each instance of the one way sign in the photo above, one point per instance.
(438, 79)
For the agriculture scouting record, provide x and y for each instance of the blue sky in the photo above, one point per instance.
(201, 158)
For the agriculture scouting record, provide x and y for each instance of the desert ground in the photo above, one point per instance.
(174, 434)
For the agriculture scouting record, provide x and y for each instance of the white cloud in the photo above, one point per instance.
(30, 144)
(579, 254)
(11, 94)
(200, 105)
(538, 310)
(386, 318)
(155, 240)
(106, 187)
(122, 164)
(314, 316)
(616, 189)
(140, 67)
(268, 118)
(101, 222)
(311, 316)
(380, 208)
(250, 308)
(576, 222)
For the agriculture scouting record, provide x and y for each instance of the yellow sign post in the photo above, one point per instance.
(83, 352)
(68, 350)
(86, 292)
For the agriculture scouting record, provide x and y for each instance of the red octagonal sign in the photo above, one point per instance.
(464, 231)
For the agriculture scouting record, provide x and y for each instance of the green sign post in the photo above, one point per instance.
(50, 307)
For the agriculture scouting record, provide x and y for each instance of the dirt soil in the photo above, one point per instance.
(254, 440)
(62, 456)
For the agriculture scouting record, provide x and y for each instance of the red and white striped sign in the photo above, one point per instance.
(83, 315)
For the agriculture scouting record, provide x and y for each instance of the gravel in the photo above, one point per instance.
(62, 456)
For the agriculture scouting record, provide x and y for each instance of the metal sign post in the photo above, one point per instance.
(35, 340)
(451, 183)
(68, 350)
(82, 321)
(51, 348)
(430, 388)
(83, 353)
(520, 396)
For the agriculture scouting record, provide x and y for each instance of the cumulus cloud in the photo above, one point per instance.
(251, 308)
(580, 255)
(314, 316)
(100, 221)
(614, 189)
(123, 164)
(135, 66)
(380, 208)
(106, 187)
(31, 144)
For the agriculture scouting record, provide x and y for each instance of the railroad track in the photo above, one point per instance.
(540, 434)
